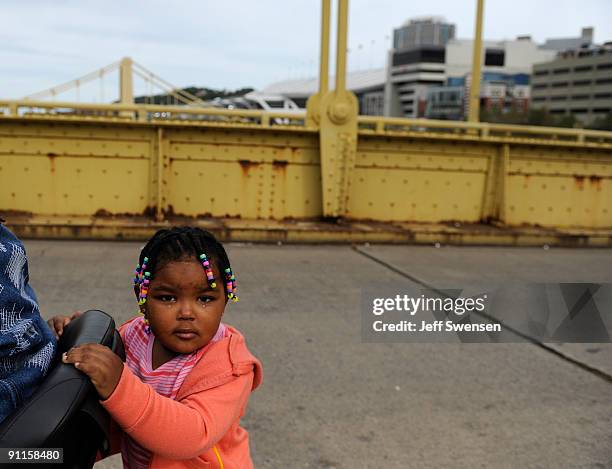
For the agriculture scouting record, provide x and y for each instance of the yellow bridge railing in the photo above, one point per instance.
(367, 125)
(483, 131)
(148, 113)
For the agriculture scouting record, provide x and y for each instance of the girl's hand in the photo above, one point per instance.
(98, 362)
(57, 323)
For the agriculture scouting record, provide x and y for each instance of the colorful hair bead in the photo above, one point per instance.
(144, 266)
(144, 287)
(209, 273)
(136, 274)
(230, 284)
(140, 271)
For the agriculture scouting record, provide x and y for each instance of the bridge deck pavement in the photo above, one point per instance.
(329, 400)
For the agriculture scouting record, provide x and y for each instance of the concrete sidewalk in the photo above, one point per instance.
(329, 400)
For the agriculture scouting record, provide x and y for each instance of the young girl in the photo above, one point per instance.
(188, 378)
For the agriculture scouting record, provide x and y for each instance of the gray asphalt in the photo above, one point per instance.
(330, 400)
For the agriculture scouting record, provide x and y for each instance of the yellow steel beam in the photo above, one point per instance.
(341, 46)
(313, 105)
(86, 168)
(338, 130)
(494, 194)
(126, 82)
(158, 172)
(324, 65)
(474, 107)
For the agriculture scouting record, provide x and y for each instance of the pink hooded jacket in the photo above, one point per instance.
(201, 428)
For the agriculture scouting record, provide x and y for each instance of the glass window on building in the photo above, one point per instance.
(494, 57)
(373, 104)
(432, 54)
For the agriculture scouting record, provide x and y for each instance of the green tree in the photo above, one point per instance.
(540, 116)
(568, 120)
(602, 123)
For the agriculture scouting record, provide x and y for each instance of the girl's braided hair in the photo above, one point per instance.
(182, 243)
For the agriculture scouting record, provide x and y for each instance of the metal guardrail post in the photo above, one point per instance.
(142, 114)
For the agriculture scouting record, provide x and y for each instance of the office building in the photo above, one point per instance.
(571, 43)
(499, 92)
(578, 82)
(411, 73)
(426, 55)
(429, 31)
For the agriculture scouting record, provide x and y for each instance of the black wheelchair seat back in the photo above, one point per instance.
(64, 411)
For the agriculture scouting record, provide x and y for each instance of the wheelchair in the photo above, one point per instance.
(64, 411)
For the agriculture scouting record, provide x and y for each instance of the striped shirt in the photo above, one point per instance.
(165, 380)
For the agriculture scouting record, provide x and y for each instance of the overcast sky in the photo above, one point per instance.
(238, 43)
